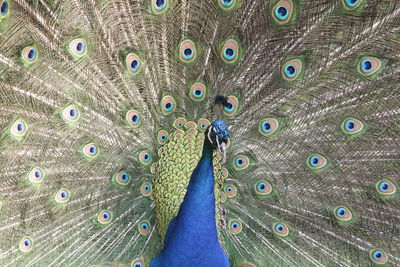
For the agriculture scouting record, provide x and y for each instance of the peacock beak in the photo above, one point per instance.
(222, 151)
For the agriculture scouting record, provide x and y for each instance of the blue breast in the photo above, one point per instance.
(192, 238)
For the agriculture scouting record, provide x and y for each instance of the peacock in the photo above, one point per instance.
(218, 133)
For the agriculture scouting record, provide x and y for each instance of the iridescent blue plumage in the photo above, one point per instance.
(192, 237)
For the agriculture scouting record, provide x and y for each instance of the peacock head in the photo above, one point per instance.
(217, 135)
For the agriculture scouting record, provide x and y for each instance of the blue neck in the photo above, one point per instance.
(192, 237)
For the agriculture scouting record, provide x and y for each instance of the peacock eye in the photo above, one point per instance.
(145, 157)
(378, 256)
(232, 106)
(122, 177)
(162, 137)
(139, 262)
(104, 217)
(168, 105)
(224, 173)
(241, 162)
(36, 175)
(263, 187)
(235, 227)
(316, 161)
(133, 63)
(268, 126)
(90, 150)
(230, 51)
(282, 11)
(4, 9)
(352, 126)
(179, 122)
(160, 6)
(280, 229)
(203, 124)
(351, 4)
(133, 118)
(386, 187)
(197, 91)
(77, 47)
(144, 228)
(343, 213)
(62, 196)
(71, 113)
(292, 69)
(146, 189)
(187, 51)
(227, 3)
(231, 190)
(26, 244)
(29, 54)
(18, 128)
(368, 66)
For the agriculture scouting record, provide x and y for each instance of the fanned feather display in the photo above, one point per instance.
(104, 106)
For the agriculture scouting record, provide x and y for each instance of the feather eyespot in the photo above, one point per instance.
(159, 6)
(162, 137)
(268, 126)
(77, 47)
(378, 256)
(146, 189)
(122, 178)
(351, 4)
(235, 227)
(36, 175)
(280, 229)
(139, 262)
(187, 51)
(133, 118)
(145, 157)
(203, 124)
(352, 126)
(104, 217)
(179, 123)
(316, 161)
(368, 66)
(26, 244)
(283, 11)
(230, 190)
(29, 55)
(71, 113)
(19, 128)
(263, 187)
(292, 69)
(4, 9)
(62, 196)
(386, 187)
(168, 105)
(133, 63)
(224, 172)
(232, 107)
(343, 213)
(90, 150)
(227, 4)
(241, 162)
(144, 228)
(198, 91)
(230, 51)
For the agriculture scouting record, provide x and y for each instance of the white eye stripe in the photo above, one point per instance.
(209, 137)
(218, 144)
